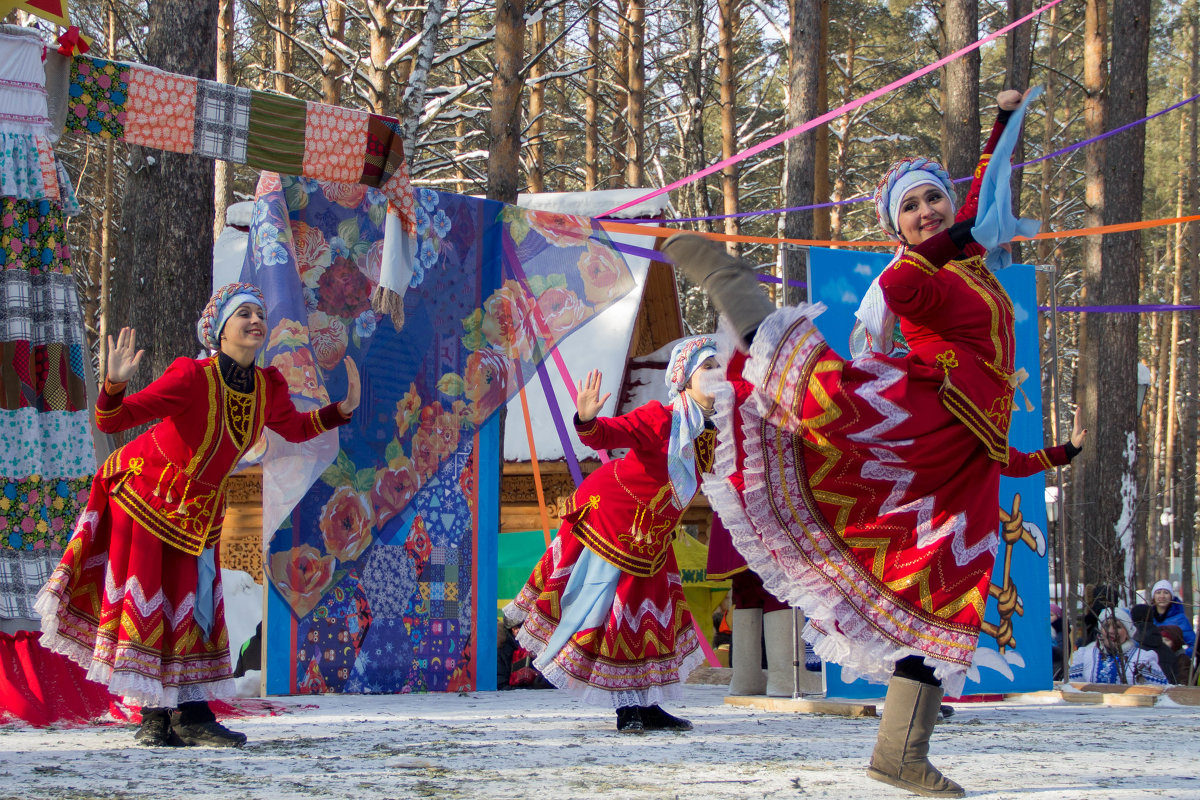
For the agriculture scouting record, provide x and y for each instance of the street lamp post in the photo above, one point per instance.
(1061, 576)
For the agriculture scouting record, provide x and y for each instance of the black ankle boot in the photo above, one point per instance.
(655, 719)
(196, 725)
(629, 720)
(156, 729)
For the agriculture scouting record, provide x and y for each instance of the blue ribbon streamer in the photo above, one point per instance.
(995, 223)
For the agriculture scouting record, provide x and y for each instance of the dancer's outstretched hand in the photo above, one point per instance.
(588, 401)
(353, 391)
(1078, 432)
(123, 357)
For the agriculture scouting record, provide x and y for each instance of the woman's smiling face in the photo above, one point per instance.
(924, 211)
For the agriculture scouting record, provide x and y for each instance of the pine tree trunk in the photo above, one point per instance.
(821, 222)
(728, 10)
(331, 62)
(1191, 417)
(695, 149)
(1115, 373)
(163, 274)
(620, 135)
(285, 22)
(381, 37)
(504, 156)
(591, 106)
(223, 170)
(960, 89)
(1088, 483)
(537, 108)
(801, 151)
(636, 70)
(1019, 61)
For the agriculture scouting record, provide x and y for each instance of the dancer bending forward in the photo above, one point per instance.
(136, 599)
(604, 609)
(872, 485)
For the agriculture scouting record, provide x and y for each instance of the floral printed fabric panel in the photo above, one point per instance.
(334, 143)
(493, 288)
(161, 111)
(96, 97)
(33, 236)
(46, 443)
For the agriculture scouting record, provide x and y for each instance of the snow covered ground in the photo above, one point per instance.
(531, 744)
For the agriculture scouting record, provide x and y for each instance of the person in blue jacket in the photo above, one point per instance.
(1168, 610)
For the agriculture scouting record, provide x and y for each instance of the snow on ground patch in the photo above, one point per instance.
(527, 744)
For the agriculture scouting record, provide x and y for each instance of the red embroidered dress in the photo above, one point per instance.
(625, 512)
(121, 601)
(872, 486)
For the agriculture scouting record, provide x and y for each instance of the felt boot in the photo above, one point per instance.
(629, 720)
(655, 719)
(156, 729)
(729, 282)
(196, 725)
(748, 677)
(901, 751)
(779, 629)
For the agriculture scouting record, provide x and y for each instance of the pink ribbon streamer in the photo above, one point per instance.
(834, 114)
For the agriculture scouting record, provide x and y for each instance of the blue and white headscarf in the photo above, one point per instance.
(221, 307)
(687, 418)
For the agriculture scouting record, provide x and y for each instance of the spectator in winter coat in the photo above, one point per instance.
(1150, 637)
(1173, 639)
(1115, 657)
(1168, 610)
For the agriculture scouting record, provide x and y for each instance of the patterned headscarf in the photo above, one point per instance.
(877, 329)
(221, 306)
(901, 177)
(687, 418)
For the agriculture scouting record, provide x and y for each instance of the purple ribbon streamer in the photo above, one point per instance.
(1062, 151)
(513, 270)
(1139, 309)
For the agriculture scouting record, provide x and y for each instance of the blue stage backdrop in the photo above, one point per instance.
(839, 278)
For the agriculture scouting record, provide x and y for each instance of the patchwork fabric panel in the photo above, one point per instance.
(276, 140)
(222, 123)
(335, 141)
(161, 111)
(41, 376)
(384, 150)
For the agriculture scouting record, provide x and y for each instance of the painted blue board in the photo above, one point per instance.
(839, 278)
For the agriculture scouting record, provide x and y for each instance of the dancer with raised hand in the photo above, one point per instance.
(872, 485)
(136, 599)
(604, 610)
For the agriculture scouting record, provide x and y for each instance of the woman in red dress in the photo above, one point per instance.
(136, 599)
(604, 610)
(872, 485)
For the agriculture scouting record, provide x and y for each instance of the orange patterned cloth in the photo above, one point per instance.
(161, 110)
(335, 142)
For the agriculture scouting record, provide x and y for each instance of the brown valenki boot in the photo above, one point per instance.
(729, 282)
(900, 758)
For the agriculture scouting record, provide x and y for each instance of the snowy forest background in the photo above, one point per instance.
(510, 96)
